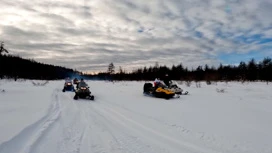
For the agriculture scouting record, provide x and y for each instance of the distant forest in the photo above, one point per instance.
(250, 71)
(17, 67)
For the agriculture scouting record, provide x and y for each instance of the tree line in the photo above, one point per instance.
(250, 71)
(17, 67)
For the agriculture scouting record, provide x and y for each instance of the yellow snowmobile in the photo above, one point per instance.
(158, 91)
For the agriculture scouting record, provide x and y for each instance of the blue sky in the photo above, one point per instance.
(235, 58)
(87, 35)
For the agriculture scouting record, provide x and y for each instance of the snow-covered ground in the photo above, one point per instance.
(43, 119)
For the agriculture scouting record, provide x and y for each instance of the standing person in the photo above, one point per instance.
(167, 80)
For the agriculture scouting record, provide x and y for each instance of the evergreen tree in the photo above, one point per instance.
(252, 70)
(111, 68)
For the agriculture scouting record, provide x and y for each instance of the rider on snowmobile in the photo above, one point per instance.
(159, 83)
(81, 83)
(68, 80)
(83, 91)
(68, 85)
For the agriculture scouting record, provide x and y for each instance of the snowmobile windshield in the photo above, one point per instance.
(172, 82)
(68, 81)
(82, 84)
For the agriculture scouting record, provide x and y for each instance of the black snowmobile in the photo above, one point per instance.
(83, 92)
(68, 86)
(159, 91)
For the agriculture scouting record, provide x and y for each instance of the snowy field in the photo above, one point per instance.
(43, 119)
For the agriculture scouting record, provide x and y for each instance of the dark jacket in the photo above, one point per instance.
(167, 80)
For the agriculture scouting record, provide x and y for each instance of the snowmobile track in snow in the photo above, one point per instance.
(121, 120)
(133, 126)
(27, 139)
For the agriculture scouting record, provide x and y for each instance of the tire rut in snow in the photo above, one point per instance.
(68, 134)
(158, 138)
(186, 134)
(29, 137)
(121, 139)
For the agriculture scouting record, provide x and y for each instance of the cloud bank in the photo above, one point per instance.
(89, 34)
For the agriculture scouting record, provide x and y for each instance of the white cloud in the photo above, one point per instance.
(88, 35)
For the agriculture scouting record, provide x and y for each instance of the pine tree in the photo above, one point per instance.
(111, 68)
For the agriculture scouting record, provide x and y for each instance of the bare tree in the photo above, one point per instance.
(157, 65)
(121, 71)
(2, 49)
(198, 84)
